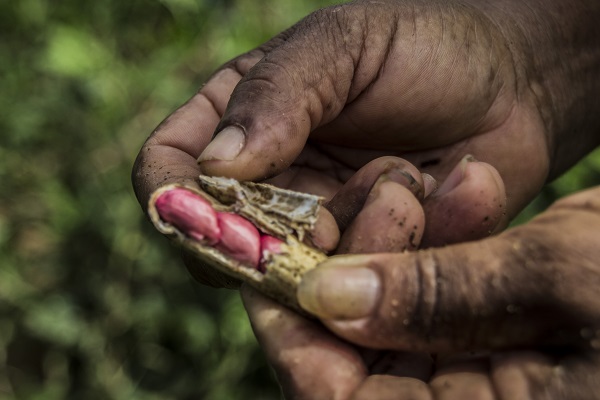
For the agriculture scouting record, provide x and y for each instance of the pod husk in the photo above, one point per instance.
(285, 214)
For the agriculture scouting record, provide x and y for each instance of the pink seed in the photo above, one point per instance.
(239, 239)
(229, 233)
(268, 244)
(189, 213)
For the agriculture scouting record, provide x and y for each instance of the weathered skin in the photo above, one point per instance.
(519, 84)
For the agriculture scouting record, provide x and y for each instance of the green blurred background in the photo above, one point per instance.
(94, 304)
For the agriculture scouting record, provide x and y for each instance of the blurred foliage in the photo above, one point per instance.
(93, 303)
(584, 175)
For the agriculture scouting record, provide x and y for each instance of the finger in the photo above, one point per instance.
(351, 197)
(310, 362)
(470, 204)
(170, 153)
(325, 234)
(386, 387)
(534, 375)
(535, 284)
(299, 85)
(526, 375)
(430, 185)
(169, 156)
(392, 219)
(206, 274)
(464, 378)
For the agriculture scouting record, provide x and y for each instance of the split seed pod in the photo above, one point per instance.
(276, 212)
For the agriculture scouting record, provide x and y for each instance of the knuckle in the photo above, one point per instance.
(424, 316)
(409, 316)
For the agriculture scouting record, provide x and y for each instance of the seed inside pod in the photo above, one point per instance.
(227, 232)
(268, 245)
(191, 214)
(239, 239)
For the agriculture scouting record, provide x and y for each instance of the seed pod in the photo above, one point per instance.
(275, 212)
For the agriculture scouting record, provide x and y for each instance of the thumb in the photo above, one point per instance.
(533, 285)
(303, 81)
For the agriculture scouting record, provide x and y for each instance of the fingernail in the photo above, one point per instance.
(430, 185)
(455, 177)
(399, 176)
(403, 177)
(339, 293)
(226, 145)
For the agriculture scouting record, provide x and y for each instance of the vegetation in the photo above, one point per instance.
(94, 304)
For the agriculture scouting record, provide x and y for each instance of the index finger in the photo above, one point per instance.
(169, 155)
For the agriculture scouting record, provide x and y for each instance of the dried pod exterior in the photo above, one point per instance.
(281, 212)
(259, 239)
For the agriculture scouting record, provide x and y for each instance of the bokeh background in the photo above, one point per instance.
(94, 304)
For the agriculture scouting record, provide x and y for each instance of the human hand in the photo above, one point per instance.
(533, 287)
(312, 363)
(360, 81)
(533, 284)
(526, 298)
(426, 81)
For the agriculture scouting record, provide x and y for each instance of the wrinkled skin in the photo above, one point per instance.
(536, 334)
(512, 83)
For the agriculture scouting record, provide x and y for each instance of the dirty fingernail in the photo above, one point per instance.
(339, 293)
(399, 176)
(455, 177)
(226, 145)
(430, 184)
(405, 178)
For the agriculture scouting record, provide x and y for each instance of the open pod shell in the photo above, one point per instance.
(285, 214)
